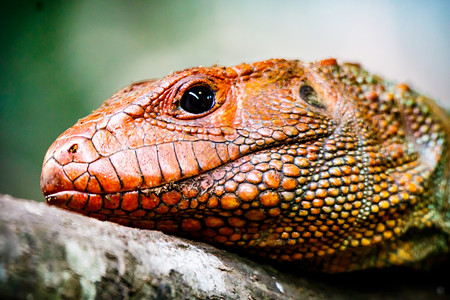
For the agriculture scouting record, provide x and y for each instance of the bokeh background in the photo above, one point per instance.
(62, 59)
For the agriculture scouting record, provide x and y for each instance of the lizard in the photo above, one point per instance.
(322, 164)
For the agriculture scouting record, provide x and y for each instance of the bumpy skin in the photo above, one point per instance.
(355, 177)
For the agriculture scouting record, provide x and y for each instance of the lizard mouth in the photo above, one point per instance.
(173, 207)
(170, 206)
(76, 176)
(132, 203)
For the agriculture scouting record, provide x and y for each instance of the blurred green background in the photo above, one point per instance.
(62, 59)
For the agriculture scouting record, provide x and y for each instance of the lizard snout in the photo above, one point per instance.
(65, 165)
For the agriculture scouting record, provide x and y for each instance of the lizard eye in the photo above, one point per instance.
(308, 94)
(197, 99)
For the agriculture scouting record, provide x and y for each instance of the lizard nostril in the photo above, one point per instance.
(73, 148)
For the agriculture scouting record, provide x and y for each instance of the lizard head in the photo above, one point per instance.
(272, 157)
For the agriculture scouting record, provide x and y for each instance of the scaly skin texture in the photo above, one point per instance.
(354, 177)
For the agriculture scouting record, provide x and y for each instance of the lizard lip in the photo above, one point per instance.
(80, 201)
(125, 201)
(59, 198)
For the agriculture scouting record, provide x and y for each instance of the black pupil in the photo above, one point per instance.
(306, 91)
(197, 99)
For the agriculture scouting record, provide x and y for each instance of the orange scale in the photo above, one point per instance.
(94, 185)
(193, 204)
(229, 202)
(236, 222)
(247, 191)
(171, 198)
(190, 192)
(95, 203)
(78, 201)
(226, 231)
(105, 212)
(317, 202)
(235, 237)
(149, 202)
(203, 198)
(208, 232)
(221, 239)
(130, 201)
(127, 169)
(81, 182)
(289, 183)
(162, 209)
(255, 215)
(112, 201)
(273, 212)
(183, 204)
(75, 170)
(214, 222)
(191, 225)
(138, 213)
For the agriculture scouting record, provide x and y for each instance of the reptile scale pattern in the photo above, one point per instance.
(355, 175)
